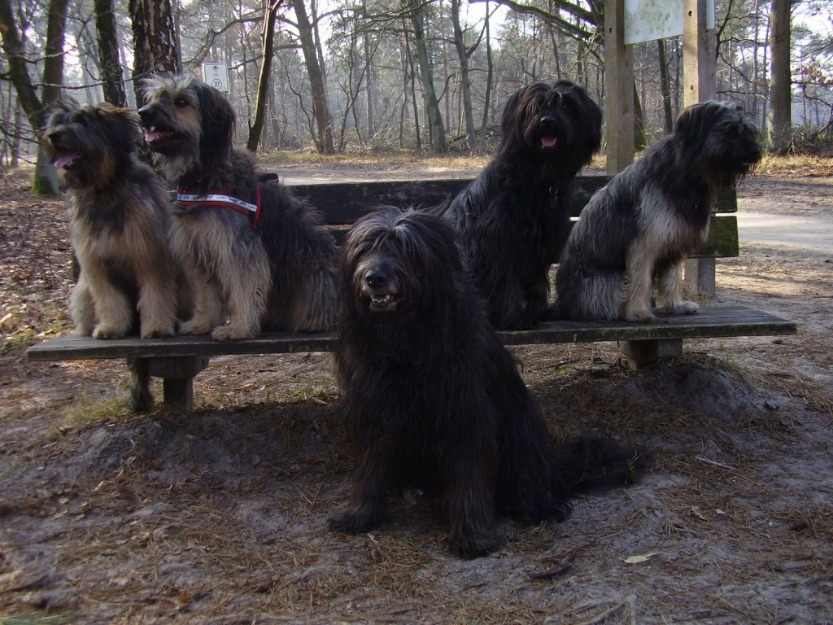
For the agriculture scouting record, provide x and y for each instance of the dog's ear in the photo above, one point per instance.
(695, 122)
(510, 125)
(121, 124)
(217, 122)
(587, 113)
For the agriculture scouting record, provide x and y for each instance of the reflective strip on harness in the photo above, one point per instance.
(221, 200)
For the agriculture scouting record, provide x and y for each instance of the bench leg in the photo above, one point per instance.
(177, 373)
(178, 393)
(699, 276)
(646, 353)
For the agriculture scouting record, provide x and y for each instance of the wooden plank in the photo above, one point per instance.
(84, 348)
(723, 239)
(619, 96)
(710, 322)
(341, 203)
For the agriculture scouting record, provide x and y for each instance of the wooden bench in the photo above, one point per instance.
(178, 359)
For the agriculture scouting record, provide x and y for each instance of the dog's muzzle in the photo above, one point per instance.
(549, 137)
(156, 133)
(380, 286)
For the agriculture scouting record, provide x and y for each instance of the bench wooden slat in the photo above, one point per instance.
(722, 241)
(710, 322)
(723, 321)
(341, 203)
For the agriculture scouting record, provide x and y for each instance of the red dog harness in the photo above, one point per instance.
(221, 199)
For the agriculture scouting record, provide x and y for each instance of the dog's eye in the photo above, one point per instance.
(180, 102)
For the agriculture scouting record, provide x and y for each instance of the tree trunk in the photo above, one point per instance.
(18, 71)
(320, 101)
(154, 40)
(265, 71)
(640, 142)
(45, 181)
(465, 80)
(781, 86)
(490, 71)
(108, 53)
(429, 94)
(665, 87)
(368, 68)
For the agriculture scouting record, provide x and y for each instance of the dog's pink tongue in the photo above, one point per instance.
(548, 142)
(65, 159)
(153, 135)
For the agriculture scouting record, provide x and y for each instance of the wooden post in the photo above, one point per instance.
(700, 85)
(619, 89)
(644, 354)
(177, 373)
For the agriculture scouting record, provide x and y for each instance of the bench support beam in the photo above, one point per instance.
(699, 276)
(177, 373)
(646, 353)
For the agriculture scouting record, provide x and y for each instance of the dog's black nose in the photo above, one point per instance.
(375, 278)
(146, 113)
(55, 135)
(547, 120)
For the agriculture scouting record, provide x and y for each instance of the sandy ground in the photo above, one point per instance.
(219, 517)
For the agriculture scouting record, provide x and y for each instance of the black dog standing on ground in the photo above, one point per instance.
(433, 400)
(639, 229)
(513, 219)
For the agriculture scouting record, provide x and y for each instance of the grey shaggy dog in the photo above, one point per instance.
(433, 400)
(119, 219)
(638, 229)
(256, 255)
(513, 219)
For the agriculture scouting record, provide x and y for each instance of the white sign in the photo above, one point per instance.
(216, 75)
(646, 20)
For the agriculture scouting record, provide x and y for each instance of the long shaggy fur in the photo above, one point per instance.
(119, 216)
(279, 276)
(433, 400)
(513, 219)
(638, 229)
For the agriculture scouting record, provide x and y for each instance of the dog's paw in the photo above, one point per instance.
(469, 547)
(108, 331)
(682, 307)
(640, 315)
(195, 326)
(155, 333)
(231, 333)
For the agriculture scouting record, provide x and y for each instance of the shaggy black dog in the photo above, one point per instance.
(256, 255)
(641, 226)
(434, 401)
(513, 219)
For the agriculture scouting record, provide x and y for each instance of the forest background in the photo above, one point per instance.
(346, 76)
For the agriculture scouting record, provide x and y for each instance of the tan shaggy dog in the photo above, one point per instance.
(257, 256)
(120, 215)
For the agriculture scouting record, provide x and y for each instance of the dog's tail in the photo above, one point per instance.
(595, 464)
(141, 398)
